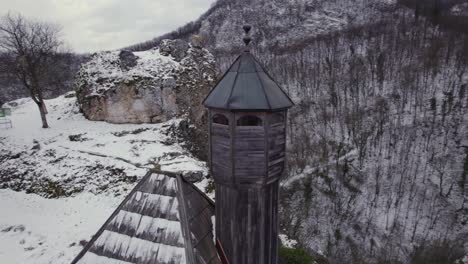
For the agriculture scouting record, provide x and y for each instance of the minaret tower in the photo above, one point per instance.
(247, 127)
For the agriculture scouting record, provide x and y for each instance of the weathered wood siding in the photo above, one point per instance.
(246, 164)
(221, 152)
(246, 223)
(276, 149)
(249, 153)
(220, 148)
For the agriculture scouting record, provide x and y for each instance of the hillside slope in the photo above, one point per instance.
(59, 185)
(378, 140)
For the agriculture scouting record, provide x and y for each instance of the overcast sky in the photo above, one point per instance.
(94, 25)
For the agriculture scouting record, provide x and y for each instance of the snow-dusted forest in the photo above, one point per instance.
(387, 155)
(378, 138)
(377, 153)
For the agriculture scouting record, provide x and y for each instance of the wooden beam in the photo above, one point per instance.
(221, 253)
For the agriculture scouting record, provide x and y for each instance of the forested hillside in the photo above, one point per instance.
(380, 130)
(377, 139)
(10, 89)
(378, 153)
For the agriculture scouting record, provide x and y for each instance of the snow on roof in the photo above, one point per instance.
(150, 225)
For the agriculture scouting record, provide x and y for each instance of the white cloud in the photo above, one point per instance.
(93, 25)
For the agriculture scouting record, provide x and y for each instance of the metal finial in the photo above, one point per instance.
(247, 29)
(247, 38)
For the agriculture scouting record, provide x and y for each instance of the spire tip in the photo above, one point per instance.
(247, 39)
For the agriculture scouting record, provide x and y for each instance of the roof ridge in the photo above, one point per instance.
(190, 255)
(199, 191)
(220, 79)
(261, 82)
(234, 83)
(281, 89)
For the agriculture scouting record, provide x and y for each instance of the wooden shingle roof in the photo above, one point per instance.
(152, 224)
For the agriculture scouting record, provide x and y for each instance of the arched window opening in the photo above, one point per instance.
(249, 120)
(220, 119)
(276, 118)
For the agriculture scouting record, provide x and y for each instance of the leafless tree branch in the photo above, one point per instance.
(31, 50)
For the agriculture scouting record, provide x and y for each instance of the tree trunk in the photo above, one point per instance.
(43, 111)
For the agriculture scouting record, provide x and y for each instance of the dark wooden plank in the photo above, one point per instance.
(232, 122)
(246, 222)
(220, 140)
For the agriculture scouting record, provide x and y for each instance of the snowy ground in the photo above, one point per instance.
(34, 229)
(59, 185)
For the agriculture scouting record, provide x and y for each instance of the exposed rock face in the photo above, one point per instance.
(177, 48)
(128, 60)
(146, 87)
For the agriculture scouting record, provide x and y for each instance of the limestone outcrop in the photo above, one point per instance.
(152, 86)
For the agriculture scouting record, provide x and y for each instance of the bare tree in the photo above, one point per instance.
(31, 54)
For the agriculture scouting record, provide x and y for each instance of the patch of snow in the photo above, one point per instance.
(82, 157)
(213, 231)
(73, 146)
(289, 243)
(460, 9)
(37, 230)
(102, 68)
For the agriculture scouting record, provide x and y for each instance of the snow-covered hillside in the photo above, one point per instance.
(58, 185)
(377, 141)
(377, 150)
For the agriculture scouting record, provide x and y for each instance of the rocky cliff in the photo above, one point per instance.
(166, 82)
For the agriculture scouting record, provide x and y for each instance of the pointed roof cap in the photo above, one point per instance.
(246, 86)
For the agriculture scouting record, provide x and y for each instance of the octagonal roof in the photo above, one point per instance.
(246, 86)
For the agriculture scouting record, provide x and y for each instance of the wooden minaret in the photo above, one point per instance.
(247, 127)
